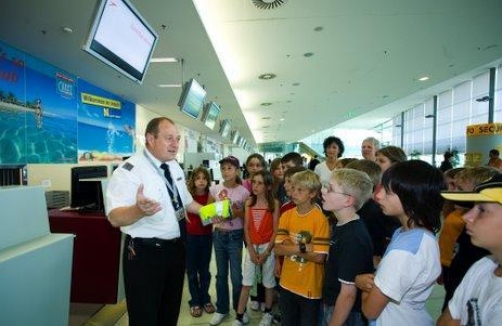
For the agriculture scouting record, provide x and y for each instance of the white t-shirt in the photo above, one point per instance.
(407, 274)
(323, 172)
(477, 300)
(123, 187)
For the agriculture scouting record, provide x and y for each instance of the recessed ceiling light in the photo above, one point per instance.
(267, 76)
(169, 85)
(318, 28)
(424, 78)
(67, 30)
(164, 60)
(266, 104)
(308, 54)
(282, 119)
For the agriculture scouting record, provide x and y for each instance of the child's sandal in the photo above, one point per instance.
(209, 308)
(195, 311)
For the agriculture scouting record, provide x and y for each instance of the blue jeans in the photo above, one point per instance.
(228, 251)
(354, 318)
(198, 253)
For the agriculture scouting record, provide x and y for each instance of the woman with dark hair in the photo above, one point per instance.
(406, 275)
(333, 149)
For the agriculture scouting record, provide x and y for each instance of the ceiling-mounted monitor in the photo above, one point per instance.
(234, 137)
(192, 98)
(225, 127)
(121, 38)
(211, 114)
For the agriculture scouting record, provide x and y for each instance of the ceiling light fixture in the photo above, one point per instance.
(169, 85)
(308, 54)
(164, 60)
(266, 104)
(267, 76)
(67, 30)
(424, 78)
(318, 28)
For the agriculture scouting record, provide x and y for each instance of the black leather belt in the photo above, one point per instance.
(153, 242)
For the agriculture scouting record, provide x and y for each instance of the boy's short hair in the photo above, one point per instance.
(308, 179)
(342, 162)
(418, 186)
(289, 172)
(494, 152)
(476, 175)
(486, 192)
(355, 183)
(294, 157)
(371, 168)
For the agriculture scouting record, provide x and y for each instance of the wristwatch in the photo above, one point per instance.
(303, 248)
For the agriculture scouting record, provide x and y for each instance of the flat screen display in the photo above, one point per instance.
(225, 128)
(121, 38)
(235, 137)
(86, 191)
(192, 99)
(211, 114)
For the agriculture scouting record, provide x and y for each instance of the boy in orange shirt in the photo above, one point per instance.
(303, 238)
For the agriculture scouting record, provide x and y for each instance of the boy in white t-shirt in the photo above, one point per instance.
(477, 299)
(405, 277)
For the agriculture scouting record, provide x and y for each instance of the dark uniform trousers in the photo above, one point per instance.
(154, 271)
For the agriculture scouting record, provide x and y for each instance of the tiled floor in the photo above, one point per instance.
(80, 313)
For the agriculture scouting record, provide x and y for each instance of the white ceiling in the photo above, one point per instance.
(364, 69)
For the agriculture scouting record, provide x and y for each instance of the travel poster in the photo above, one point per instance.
(51, 121)
(106, 124)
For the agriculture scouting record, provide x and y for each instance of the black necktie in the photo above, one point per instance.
(167, 173)
(176, 201)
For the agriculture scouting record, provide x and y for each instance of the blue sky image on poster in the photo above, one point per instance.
(106, 124)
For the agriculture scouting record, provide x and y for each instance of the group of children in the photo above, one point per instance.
(326, 272)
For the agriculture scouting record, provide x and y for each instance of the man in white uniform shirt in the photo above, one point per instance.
(147, 197)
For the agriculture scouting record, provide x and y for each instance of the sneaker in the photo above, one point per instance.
(245, 318)
(266, 320)
(262, 307)
(237, 323)
(255, 305)
(217, 318)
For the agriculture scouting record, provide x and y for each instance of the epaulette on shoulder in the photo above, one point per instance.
(127, 166)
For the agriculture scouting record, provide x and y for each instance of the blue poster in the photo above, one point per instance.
(12, 106)
(51, 121)
(106, 124)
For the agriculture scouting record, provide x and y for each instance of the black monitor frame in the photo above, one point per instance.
(86, 192)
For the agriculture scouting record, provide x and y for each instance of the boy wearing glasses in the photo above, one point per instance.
(303, 239)
(351, 248)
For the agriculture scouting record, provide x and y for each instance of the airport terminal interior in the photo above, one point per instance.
(79, 82)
